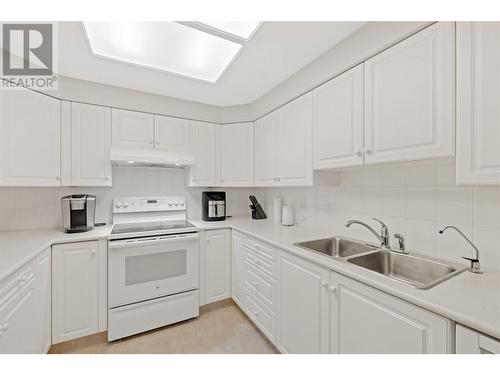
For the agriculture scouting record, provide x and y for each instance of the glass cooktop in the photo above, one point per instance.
(152, 226)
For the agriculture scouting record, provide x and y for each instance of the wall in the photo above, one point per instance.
(415, 200)
(40, 207)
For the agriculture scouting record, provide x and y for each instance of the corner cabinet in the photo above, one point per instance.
(30, 139)
(86, 131)
(203, 173)
(338, 125)
(365, 320)
(303, 306)
(478, 89)
(283, 145)
(235, 154)
(410, 98)
(217, 265)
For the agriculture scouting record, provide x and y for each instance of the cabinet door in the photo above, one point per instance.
(294, 139)
(303, 306)
(478, 114)
(30, 139)
(468, 341)
(217, 265)
(90, 145)
(365, 320)
(235, 154)
(237, 264)
(338, 121)
(132, 129)
(265, 151)
(19, 323)
(75, 292)
(172, 134)
(409, 98)
(203, 149)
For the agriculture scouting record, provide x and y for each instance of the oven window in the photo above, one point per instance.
(153, 267)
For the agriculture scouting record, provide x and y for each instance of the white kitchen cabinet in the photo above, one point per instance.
(30, 139)
(132, 129)
(237, 267)
(44, 295)
(235, 154)
(171, 134)
(409, 98)
(217, 265)
(75, 290)
(90, 145)
(265, 151)
(365, 320)
(283, 145)
(478, 89)
(338, 125)
(303, 306)
(203, 173)
(468, 341)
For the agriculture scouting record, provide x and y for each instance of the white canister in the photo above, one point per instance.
(287, 216)
(277, 210)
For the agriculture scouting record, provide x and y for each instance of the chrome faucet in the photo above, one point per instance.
(383, 237)
(475, 266)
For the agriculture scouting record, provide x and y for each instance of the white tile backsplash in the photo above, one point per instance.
(415, 200)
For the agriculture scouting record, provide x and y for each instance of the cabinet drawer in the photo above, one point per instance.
(262, 249)
(261, 285)
(264, 319)
(16, 282)
(264, 265)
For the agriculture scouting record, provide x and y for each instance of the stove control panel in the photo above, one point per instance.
(148, 204)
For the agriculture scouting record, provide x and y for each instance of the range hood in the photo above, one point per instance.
(137, 157)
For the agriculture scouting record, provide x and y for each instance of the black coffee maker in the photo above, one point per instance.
(213, 205)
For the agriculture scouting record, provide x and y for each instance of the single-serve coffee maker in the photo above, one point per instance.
(213, 205)
(78, 211)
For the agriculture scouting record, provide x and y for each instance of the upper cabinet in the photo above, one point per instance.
(90, 140)
(478, 114)
(203, 173)
(409, 98)
(171, 133)
(283, 145)
(30, 139)
(132, 129)
(338, 121)
(235, 154)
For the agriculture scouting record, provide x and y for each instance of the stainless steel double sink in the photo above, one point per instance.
(417, 271)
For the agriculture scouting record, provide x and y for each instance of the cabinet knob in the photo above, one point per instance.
(324, 284)
(22, 280)
(358, 153)
(108, 177)
(92, 251)
(367, 151)
(333, 289)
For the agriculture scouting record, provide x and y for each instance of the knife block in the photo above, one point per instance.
(258, 212)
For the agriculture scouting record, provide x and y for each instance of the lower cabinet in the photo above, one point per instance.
(366, 320)
(25, 307)
(217, 265)
(303, 306)
(237, 264)
(76, 289)
(468, 341)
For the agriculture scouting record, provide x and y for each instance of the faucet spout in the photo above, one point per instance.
(475, 265)
(383, 237)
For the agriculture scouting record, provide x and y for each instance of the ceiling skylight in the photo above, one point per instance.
(242, 29)
(167, 46)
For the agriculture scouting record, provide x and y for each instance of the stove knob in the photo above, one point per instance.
(118, 204)
(125, 204)
(170, 204)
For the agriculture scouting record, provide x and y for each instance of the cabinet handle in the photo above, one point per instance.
(333, 289)
(367, 151)
(92, 251)
(358, 153)
(324, 284)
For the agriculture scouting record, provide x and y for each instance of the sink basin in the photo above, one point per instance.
(336, 247)
(413, 270)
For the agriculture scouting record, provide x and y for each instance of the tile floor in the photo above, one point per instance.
(221, 328)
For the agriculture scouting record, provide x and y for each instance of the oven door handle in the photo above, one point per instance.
(123, 244)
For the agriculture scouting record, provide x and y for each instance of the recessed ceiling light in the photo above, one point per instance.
(167, 46)
(242, 29)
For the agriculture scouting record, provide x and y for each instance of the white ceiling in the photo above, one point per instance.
(274, 53)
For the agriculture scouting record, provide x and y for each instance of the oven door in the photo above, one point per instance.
(145, 268)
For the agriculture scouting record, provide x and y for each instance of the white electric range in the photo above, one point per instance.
(153, 265)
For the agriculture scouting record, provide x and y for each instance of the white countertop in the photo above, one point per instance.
(470, 299)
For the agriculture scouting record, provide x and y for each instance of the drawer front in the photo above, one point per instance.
(263, 287)
(14, 283)
(266, 251)
(264, 319)
(263, 264)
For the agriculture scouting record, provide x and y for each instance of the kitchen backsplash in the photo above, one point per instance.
(40, 207)
(415, 200)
